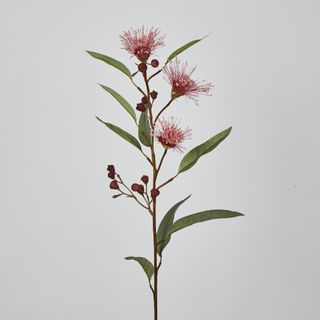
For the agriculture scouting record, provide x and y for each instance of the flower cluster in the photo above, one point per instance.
(142, 43)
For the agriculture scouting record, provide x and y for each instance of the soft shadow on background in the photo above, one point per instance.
(63, 238)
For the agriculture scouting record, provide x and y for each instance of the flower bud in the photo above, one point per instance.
(154, 193)
(145, 179)
(137, 188)
(114, 185)
(144, 100)
(111, 174)
(155, 63)
(117, 195)
(134, 187)
(142, 67)
(140, 189)
(154, 94)
(111, 168)
(140, 107)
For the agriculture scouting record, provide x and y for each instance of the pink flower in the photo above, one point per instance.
(170, 135)
(142, 42)
(179, 77)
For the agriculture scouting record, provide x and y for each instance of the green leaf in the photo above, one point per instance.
(144, 129)
(113, 62)
(201, 217)
(191, 158)
(122, 133)
(122, 101)
(183, 48)
(145, 264)
(162, 235)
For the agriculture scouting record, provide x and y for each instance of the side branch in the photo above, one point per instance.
(168, 181)
(163, 109)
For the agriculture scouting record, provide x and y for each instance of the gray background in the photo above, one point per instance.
(62, 237)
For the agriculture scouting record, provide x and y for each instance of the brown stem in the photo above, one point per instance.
(155, 261)
(162, 158)
(156, 73)
(138, 87)
(154, 207)
(163, 109)
(148, 159)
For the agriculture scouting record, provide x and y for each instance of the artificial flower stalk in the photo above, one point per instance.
(154, 128)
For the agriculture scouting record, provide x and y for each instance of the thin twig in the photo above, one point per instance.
(131, 193)
(163, 109)
(137, 87)
(162, 158)
(156, 73)
(159, 265)
(149, 160)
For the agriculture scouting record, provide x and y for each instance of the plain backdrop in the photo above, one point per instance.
(63, 238)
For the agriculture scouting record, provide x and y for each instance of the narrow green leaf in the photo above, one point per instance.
(191, 158)
(111, 61)
(122, 101)
(167, 221)
(144, 129)
(183, 48)
(122, 133)
(145, 264)
(201, 217)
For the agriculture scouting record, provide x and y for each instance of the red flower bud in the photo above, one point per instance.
(142, 67)
(140, 107)
(137, 188)
(140, 189)
(145, 179)
(111, 168)
(114, 185)
(154, 193)
(155, 63)
(134, 187)
(144, 100)
(154, 94)
(111, 174)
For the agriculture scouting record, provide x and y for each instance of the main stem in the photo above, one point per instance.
(154, 207)
(155, 259)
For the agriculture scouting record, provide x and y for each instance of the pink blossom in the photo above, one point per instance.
(142, 42)
(178, 75)
(170, 135)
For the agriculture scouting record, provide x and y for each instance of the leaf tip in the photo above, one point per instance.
(90, 52)
(100, 119)
(208, 35)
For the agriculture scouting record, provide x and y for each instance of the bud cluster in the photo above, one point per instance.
(111, 174)
(143, 104)
(137, 187)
